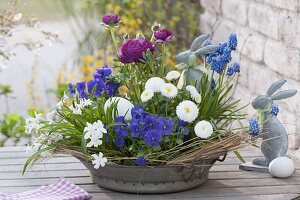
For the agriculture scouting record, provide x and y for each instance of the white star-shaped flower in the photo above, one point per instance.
(99, 160)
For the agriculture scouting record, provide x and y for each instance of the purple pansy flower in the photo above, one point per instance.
(111, 19)
(135, 129)
(81, 90)
(132, 50)
(153, 137)
(138, 114)
(112, 88)
(122, 130)
(71, 88)
(119, 141)
(102, 73)
(152, 123)
(163, 35)
(168, 125)
(141, 161)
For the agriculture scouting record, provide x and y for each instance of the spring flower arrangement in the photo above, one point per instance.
(141, 112)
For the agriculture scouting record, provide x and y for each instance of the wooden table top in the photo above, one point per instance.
(225, 182)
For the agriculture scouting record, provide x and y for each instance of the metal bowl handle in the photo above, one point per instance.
(223, 158)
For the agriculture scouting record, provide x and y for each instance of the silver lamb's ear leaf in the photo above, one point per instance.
(284, 94)
(275, 86)
(183, 57)
(206, 50)
(198, 41)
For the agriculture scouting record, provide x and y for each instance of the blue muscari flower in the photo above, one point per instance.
(217, 64)
(121, 130)
(232, 41)
(226, 55)
(71, 88)
(236, 67)
(102, 73)
(274, 110)
(230, 71)
(141, 161)
(167, 125)
(213, 84)
(112, 88)
(81, 90)
(253, 127)
(135, 129)
(153, 137)
(119, 141)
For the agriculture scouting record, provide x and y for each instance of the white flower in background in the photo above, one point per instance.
(46, 154)
(94, 132)
(195, 95)
(31, 149)
(172, 75)
(33, 123)
(187, 111)
(99, 160)
(147, 95)
(123, 106)
(204, 129)
(85, 102)
(169, 90)
(154, 84)
(51, 116)
(17, 17)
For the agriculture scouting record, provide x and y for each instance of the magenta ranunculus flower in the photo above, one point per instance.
(132, 50)
(163, 35)
(111, 19)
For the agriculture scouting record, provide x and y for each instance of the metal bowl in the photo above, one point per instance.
(151, 180)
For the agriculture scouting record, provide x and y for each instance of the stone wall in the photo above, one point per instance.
(269, 49)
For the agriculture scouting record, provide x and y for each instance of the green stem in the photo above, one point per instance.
(113, 37)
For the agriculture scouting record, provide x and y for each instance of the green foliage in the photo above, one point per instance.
(12, 126)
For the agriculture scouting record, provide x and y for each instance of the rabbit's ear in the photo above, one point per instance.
(284, 94)
(206, 50)
(275, 86)
(198, 41)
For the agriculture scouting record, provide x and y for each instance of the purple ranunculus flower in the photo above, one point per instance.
(71, 88)
(132, 50)
(153, 137)
(111, 19)
(141, 161)
(163, 35)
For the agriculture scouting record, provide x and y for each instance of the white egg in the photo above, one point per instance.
(124, 106)
(282, 167)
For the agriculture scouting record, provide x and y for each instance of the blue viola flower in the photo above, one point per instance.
(180, 124)
(102, 73)
(119, 141)
(71, 88)
(153, 137)
(138, 114)
(106, 137)
(81, 90)
(167, 125)
(97, 86)
(135, 129)
(213, 84)
(232, 41)
(141, 161)
(112, 88)
(253, 127)
(184, 131)
(122, 130)
(152, 123)
(274, 109)
(90, 85)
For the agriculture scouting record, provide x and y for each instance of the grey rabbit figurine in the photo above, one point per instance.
(188, 58)
(274, 135)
